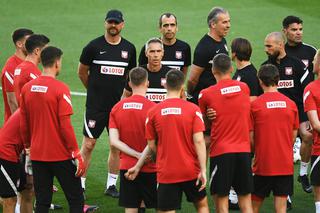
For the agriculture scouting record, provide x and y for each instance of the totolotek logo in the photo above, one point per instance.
(132, 105)
(109, 70)
(36, 88)
(171, 111)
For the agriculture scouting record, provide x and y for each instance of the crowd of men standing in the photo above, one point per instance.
(161, 134)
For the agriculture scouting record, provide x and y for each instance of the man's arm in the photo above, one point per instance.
(152, 145)
(116, 142)
(252, 140)
(133, 172)
(12, 101)
(83, 73)
(185, 70)
(199, 143)
(194, 76)
(126, 93)
(294, 135)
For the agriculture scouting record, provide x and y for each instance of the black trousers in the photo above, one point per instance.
(64, 171)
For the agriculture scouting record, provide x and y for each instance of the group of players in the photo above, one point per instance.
(152, 107)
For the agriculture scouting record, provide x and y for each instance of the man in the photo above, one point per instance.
(28, 70)
(156, 72)
(177, 53)
(275, 123)
(103, 69)
(293, 79)
(19, 37)
(179, 147)
(230, 157)
(132, 112)
(311, 100)
(46, 103)
(210, 45)
(292, 28)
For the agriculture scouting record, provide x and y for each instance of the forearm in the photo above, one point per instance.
(201, 152)
(191, 85)
(125, 148)
(67, 132)
(12, 102)
(147, 151)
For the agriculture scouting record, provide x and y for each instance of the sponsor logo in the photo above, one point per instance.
(17, 71)
(124, 54)
(276, 104)
(132, 105)
(306, 62)
(109, 70)
(228, 90)
(36, 88)
(218, 51)
(178, 54)
(285, 84)
(171, 111)
(163, 81)
(288, 70)
(102, 52)
(156, 97)
(91, 123)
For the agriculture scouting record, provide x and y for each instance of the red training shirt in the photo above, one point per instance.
(129, 117)
(45, 101)
(172, 124)
(7, 76)
(10, 141)
(311, 100)
(274, 118)
(230, 130)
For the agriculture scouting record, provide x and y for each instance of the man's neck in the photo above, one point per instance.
(113, 40)
(269, 89)
(223, 77)
(173, 94)
(292, 44)
(33, 59)
(214, 35)
(20, 54)
(281, 56)
(154, 68)
(242, 64)
(51, 72)
(168, 42)
(139, 91)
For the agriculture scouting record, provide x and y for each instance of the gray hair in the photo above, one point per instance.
(153, 40)
(213, 15)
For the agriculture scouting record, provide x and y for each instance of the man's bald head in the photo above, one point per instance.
(276, 37)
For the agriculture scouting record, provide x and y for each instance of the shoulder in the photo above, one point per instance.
(96, 42)
(182, 44)
(127, 43)
(309, 47)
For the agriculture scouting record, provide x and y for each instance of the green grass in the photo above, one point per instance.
(71, 24)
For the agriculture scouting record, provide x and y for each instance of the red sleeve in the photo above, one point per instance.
(112, 120)
(8, 78)
(309, 100)
(24, 128)
(67, 132)
(198, 124)
(202, 102)
(65, 105)
(150, 128)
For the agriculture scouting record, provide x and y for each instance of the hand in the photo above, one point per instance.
(211, 114)
(79, 162)
(28, 165)
(202, 178)
(132, 173)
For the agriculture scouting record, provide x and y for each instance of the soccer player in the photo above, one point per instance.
(292, 28)
(46, 103)
(275, 123)
(103, 69)
(177, 53)
(156, 72)
(174, 130)
(211, 44)
(230, 157)
(28, 69)
(311, 100)
(132, 112)
(293, 79)
(19, 37)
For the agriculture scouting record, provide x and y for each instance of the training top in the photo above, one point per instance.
(230, 129)
(305, 53)
(108, 69)
(172, 124)
(249, 76)
(177, 55)
(205, 50)
(129, 117)
(24, 72)
(44, 101)
(311, 100)
(10, 141)
(156, 91)
(293, 77)
(274, 117)
(7, 76)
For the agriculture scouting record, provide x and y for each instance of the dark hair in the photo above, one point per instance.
(20, 33)
(213, 14)
(168, 16)
(242, 48)
(50, 55)
(221, 63)
(153, 40)
(290, 20)
(174, 79)
(269, 75)
(36, 41)
(138, 75)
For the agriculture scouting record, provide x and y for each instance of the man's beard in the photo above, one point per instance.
(274, 56)
(113, 31)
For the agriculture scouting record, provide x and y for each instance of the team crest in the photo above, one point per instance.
(306, 62)
(178, 54)
(124, 54)
(91, 123)
(288, 70)
(163, 81)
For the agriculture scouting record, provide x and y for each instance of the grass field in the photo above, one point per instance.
(72, 24)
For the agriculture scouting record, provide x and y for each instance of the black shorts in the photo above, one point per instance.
(144, 187)
(95, 122)
(315, 170)
(22, 174)
(170, 195)
(9, 178)
(231, 169)
(281, 185)
(302, 114)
